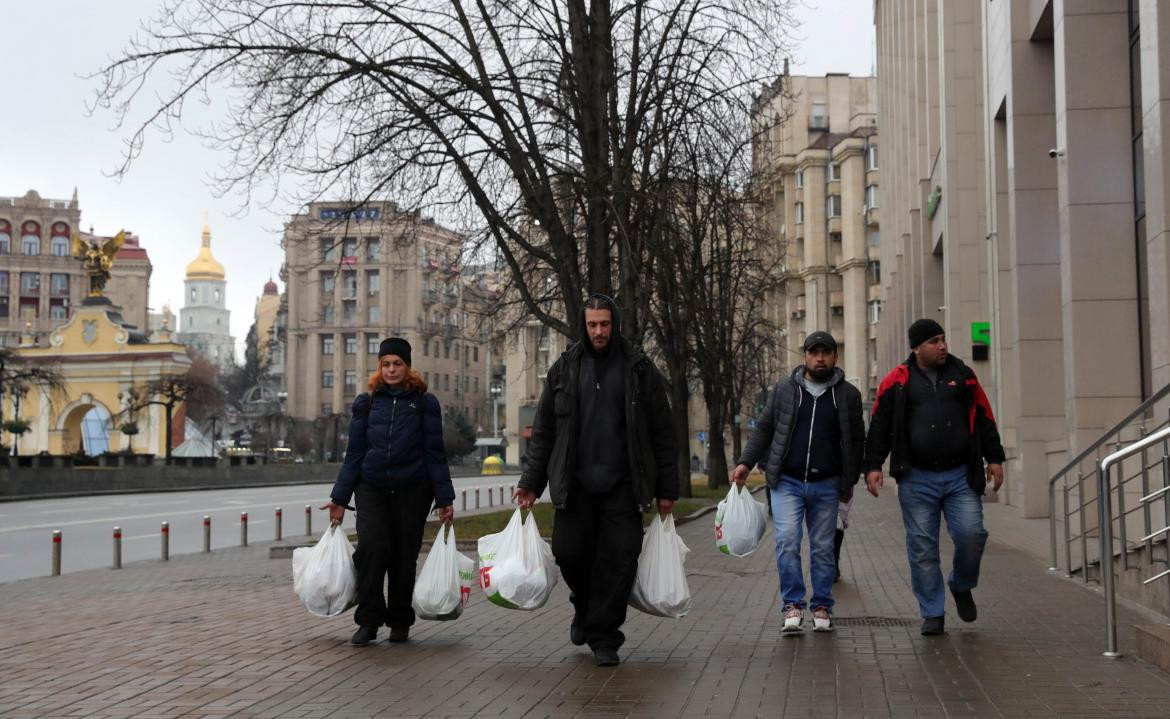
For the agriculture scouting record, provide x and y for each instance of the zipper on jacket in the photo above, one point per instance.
(390, 432)
(811, 423)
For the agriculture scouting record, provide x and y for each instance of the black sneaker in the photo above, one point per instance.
(399, 634)
(576, 633)
(606, 657)
(932, 626)
(965, 603)
(363, 636)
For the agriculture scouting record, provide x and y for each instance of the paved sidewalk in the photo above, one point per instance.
(223, 635)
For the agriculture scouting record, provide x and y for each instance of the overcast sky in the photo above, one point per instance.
(49, 144)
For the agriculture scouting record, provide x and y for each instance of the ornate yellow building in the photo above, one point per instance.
(100, 359)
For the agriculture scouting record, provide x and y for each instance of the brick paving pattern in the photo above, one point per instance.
(222, 635)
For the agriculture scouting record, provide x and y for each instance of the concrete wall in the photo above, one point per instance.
(29, 482)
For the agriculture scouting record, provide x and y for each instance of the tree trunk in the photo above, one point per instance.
(679, 403)
(736, 435)
(716, 453)
(169, 407)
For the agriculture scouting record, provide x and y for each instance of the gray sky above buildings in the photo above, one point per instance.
(49, 144)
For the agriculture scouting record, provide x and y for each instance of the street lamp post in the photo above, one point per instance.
(496, 391)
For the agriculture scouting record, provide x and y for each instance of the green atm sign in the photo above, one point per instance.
(981, 333)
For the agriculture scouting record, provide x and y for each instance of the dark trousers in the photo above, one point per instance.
(390, 528)
(596, 541)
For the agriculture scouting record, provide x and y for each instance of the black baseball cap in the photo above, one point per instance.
(820, 338)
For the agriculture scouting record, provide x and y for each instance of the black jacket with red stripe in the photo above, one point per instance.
(888, 434)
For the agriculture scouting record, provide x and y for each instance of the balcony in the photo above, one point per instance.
(450, 329)
(430, 297)
(450, 299)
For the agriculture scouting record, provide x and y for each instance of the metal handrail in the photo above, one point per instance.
(1105, 516)
(1100, 442)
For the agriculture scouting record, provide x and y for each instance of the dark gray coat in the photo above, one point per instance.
(770, 439)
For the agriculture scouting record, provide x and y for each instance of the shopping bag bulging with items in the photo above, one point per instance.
(323, 575)
(740, 523)
(516, 566)
(661, 584)
(443, 586)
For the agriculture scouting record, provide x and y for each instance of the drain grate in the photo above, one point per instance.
(874, 622)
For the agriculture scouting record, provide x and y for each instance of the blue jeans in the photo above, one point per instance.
(793, 504)
(923, 496)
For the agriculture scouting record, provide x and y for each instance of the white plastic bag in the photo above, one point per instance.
(661, 585)
(444, 584)
(323, 575)
(740, 523)
(516, 566)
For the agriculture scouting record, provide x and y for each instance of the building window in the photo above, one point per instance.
(351, 344)
(374, 314)
(446, 381)
(875, 311)
(349, 312)
(193, 295)
(95, 427)
(475, 354)
(435, 353)
(326, 379)
(799, 179)
(326, 344)
(5, 237)
(327, 315)
(349, 284)
(373, 249)
(873, 272)
(456, 351)
(373, 282)
(350, 381)
(328, 249)
(799, 213)
(326, 409)
(832, 172)
(372, 344)
(833, 206)
(59, 284)
(447, 351)
(327, 283)
(871, 196)
(30, 283)
(818, 118)
(30, 245)
(349, 247)
(59, 247)
(3, 295)
(871, 158)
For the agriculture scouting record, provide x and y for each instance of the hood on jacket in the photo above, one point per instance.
(797, 376)
(613, 310)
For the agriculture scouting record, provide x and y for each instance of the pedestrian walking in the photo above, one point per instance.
(396, 468)
(933, 420)
(603, 444)
(809, 439)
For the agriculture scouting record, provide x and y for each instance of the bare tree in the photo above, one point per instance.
(19, 374)
(512, 112)
(198, 388)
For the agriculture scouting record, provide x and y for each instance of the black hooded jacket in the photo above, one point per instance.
(645, 427)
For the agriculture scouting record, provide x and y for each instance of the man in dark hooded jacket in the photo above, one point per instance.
(603, 444)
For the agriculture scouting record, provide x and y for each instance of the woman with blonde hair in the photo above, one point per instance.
(396, 468)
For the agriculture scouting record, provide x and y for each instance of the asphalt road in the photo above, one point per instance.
(87, 523)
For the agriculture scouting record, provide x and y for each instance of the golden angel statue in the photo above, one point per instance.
(97, 259)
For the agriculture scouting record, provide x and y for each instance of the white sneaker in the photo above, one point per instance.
(793, 616)
(822, 620)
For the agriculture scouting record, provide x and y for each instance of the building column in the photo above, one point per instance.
(1099, 302)
(1155, 90)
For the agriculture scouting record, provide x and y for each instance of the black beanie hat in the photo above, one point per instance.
(395, 346)
(922, 330)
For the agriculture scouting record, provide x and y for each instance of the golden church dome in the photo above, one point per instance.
(205, 267)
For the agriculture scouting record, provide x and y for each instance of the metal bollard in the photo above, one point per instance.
(166, 542)
(465, 500)
(477, 497)
(56, 570)
(308, 520)
(278, 531)
(206, 533)
(117, 547)
(243, 529)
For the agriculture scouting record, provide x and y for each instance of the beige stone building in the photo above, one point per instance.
(41, 281)
(355, 276)
(1028, 187)
(816, 167)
